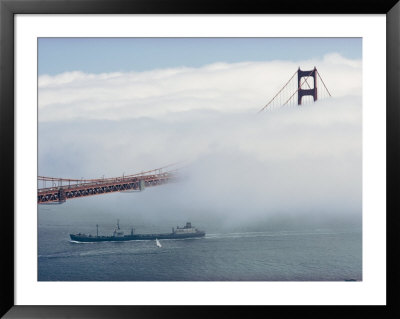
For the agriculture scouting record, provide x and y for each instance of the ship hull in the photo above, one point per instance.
(85, 238)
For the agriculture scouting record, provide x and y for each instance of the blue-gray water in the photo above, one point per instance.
(304, 255)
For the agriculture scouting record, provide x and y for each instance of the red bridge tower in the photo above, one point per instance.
(310, 91)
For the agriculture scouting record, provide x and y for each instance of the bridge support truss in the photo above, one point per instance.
(59, 194)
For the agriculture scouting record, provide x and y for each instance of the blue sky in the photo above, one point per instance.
(99, 55)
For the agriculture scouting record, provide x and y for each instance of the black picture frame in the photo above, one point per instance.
(9, 8)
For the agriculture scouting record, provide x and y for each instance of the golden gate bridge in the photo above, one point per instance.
(296, 88)
(52, 190)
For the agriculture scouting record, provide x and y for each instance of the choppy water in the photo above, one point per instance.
(316, 255)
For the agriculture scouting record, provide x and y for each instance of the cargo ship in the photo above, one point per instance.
(186, 231)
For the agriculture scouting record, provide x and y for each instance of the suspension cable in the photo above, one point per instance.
(324, 84)
(278, 93)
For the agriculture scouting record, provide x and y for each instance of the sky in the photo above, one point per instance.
(120, 106)
(104, 55)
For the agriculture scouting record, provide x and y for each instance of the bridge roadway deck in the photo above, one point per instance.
(61, 193)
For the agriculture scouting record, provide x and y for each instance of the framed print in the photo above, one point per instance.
(166, 154)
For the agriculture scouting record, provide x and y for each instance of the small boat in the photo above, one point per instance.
(158, 243)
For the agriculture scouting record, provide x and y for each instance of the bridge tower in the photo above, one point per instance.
(310, 91)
